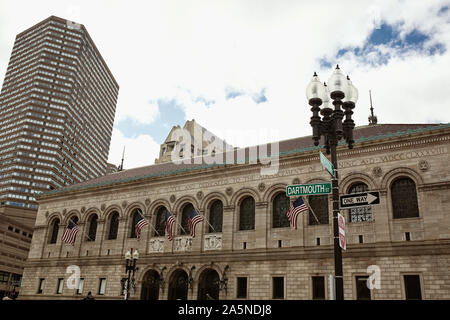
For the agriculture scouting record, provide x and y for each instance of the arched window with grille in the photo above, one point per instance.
(215, 216)
(184, 219)
(160, 222)
(247, 214)
(92, 227)
(54, 231)
(319, 207)
(280, 206)
(362, 213)
(113, 226)
(404, 198)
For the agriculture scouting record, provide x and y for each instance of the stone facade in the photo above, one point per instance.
(417, 245)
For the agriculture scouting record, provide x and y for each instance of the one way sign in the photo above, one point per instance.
(355, 200)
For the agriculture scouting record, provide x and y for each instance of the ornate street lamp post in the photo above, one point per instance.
(130, 267)
(333, 128)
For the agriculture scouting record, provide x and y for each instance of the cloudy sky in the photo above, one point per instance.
(240, 68)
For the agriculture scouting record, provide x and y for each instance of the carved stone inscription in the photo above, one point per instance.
(183, 244)
(392, 157)
(156, 245)
(213, 241)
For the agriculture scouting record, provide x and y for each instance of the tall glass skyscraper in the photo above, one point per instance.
(57, 108)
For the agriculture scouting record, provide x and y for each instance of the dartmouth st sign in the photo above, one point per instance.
(308, 189)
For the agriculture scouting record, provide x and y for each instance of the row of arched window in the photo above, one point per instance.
(403, 194)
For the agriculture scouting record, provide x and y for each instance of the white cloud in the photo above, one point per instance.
(139, 151)
(183, 50)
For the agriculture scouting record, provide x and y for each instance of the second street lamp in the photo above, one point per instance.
(130, 267)
(332, 127)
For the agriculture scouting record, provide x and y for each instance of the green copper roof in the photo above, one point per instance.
(425, 128)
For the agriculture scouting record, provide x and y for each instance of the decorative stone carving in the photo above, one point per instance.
(83, 209)
(424, 165)
(46, 214)
(377, 172)
(124, 204)
(296, 181)
(229, 191)
(213, 242)
(64, 212)
(262, 187)
(147, 202)
(183, 244)
(172, 198)
(156, 245)
(103, 207)
(200, 195)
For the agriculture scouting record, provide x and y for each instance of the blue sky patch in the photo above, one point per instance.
(206, 101)
(443, 10)
(231, 93)
(170, 114)
(388, 36)
(260, 97)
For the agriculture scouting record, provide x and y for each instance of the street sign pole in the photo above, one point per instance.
(339, 281)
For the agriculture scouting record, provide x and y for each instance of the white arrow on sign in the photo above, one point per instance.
(371, 198)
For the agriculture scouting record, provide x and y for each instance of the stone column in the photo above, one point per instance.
(100, 236)
(228, 227)
(260, 225)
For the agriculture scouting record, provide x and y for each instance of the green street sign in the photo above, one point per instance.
(308, 189)
(326, 163)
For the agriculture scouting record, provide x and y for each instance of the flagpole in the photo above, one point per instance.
(181, 227)
(149, 224)
(309, 207)
(81, 231)
(204, 217)
(210, 224)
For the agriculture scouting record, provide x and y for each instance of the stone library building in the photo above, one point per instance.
(57, 107)
(245, 248)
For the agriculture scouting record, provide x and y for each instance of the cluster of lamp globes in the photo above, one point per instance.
(339, 91)
(339, 86)
(135, 255)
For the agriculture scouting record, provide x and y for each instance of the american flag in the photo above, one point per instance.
(294, 210)
(193, 219)
(70, 233)
(170, 221)
(140, 223)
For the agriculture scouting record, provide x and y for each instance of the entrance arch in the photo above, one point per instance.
(178, 285)
(208, 285)
(150, 286)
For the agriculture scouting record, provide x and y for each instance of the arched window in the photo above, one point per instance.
(404, 198)
(54, 231)
(92, 228)
(280, 207)
(160, 223)
(184, 219)
(216, 216)
(319, 206)
(113, 226)
(247, 214)
(363, 213)
(135, 217)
